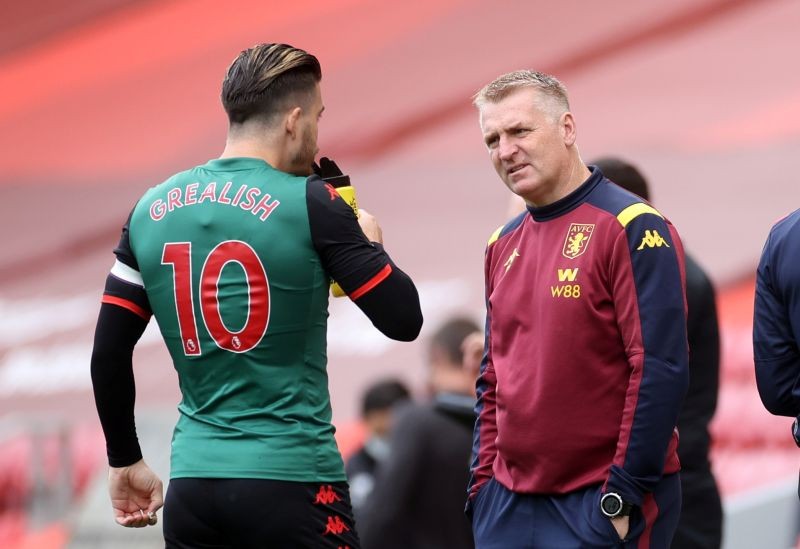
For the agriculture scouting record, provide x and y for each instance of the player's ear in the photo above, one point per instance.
(291, 122)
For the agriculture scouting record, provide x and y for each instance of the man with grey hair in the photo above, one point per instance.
(585, 358)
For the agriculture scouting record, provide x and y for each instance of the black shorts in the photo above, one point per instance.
(253, 513)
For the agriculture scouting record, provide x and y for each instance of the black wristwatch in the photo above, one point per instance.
(796, 432)
(612, 505)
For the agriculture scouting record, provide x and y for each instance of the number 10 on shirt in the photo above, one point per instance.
(178, 255)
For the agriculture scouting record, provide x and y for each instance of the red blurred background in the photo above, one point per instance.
(105, 98)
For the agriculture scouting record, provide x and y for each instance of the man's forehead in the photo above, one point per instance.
(505, 112)
(518, 106)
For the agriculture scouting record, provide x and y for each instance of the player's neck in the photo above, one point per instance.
(249, 148)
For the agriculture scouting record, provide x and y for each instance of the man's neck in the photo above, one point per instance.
(247, 145)
(578, 174)
(240, 149)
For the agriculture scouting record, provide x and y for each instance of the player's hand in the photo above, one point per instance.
(370, 226)
(621, 525)
(136, 494)
(330, 172)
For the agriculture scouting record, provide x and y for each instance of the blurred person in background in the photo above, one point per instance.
(377, 406)
(776, 322)
(418, 498)
(234, 258)
(700, 525)
(586, 357)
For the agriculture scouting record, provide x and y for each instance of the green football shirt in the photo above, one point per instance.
(240, 295)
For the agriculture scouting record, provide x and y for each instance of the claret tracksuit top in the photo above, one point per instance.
(586, 361)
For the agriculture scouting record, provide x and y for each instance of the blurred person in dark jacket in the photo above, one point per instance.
(376, 411)
(418, 497)
(700, 524)
(776, 322)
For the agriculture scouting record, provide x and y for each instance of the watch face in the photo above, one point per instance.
(611, 504)
(796, 432)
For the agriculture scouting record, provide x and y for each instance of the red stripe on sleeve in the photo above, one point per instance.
(650, 512)
(372, 282)
(125, 304)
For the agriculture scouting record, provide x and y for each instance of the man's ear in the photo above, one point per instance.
(292, 121)
(569, 131)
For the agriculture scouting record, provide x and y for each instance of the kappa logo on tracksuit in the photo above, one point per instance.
(652, 239)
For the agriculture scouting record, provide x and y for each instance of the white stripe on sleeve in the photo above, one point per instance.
(128, 274)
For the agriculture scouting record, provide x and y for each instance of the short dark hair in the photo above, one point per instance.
(451, 335)
(623, 174)
(261, 79)
(383, 395)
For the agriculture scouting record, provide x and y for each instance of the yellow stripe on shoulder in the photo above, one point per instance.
(635, 210)
(495, 235)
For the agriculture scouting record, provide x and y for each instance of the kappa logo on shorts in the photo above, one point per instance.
(326, 496)
(335, 526)
(577, 240)
(652, 239)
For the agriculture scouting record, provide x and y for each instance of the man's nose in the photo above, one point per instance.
(506, 148)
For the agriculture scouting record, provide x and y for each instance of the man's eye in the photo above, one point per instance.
(491, 143)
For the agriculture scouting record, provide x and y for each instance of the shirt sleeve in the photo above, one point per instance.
(124, 314)
(116, 334)
(124, 285)
(649, 298)
(484, 448)
(775, 347)
(362, 268)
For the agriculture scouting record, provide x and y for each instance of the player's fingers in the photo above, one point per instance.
(156, 499)
(152, 517)
(122, 521)
(140, 519)
(130, 520)
(134, 520)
